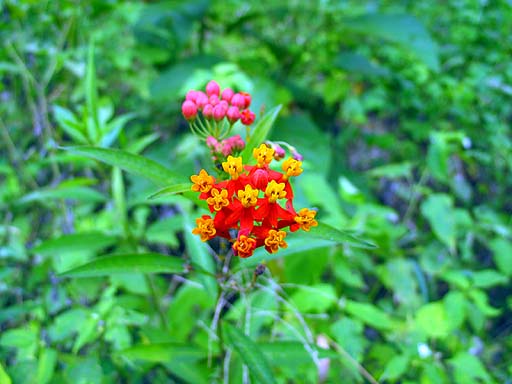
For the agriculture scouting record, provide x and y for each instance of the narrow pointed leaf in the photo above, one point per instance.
(128, 263)
(164, 352)
(326, 232)
(260, 132)
(132, 163)
(171, 190)
(89, 241)
(250, 353)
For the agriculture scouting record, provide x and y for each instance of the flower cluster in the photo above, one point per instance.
(226, 147)
(254, 206)
(219, 110)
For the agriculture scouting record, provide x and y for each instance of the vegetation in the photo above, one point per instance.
(402, 113)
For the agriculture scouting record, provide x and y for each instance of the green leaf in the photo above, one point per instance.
(250, 354)
(18, 338)
(357, 63)
(481, 300)
(405, 30)
(468, 369)
(201, 259)
(295, 245)
(432, 320)
(438, 209)
(260, 132)
(395, 367)
(171, 190)
(70, 124)
(129, 162)
(392, 171)
(502, 253)
(46, 365)
(84, 194)
(164, 352)
(128, 263)
(437, 157)
(91, 94)
(316, 298)
(370, 314)
(327, 232)
(289, 353)
(456, 308)
(91, 241)
(4, 377)
(488, 278)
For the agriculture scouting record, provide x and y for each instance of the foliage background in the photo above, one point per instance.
(403, 113)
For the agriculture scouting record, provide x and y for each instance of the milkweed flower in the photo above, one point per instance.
(254, 206)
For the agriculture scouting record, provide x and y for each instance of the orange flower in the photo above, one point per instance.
(203, 182)
(205, 228)
(306, 219)
(244, 246)
(274, 240)
(218, 200)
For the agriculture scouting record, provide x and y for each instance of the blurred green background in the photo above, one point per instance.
(403, 112)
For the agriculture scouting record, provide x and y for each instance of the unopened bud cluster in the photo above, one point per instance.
(214, 112)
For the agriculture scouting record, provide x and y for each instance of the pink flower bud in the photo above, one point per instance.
(224, 104)
(201, 99)
(212, 88)
(227, 94)
(189, 110)
(279, 152)
(247, 117)
(227, 149)
(247, 98)
(214, 100)
(208, 111)
(233, 114)
(238, 100)
(191, 95)
(211, 142)
(237, 142)
(297, 156)
(219, 112)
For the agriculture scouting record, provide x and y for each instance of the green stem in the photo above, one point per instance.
(156, 301)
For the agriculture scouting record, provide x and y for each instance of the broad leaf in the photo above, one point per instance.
(128, 263)
(405, 30)
(438, 209)
(132, 163)
(250, 354)
(370, 314)
(46, 365)
(260, 133)
(4, 377)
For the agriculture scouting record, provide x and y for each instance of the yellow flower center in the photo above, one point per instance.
(292, 167)
(205, 228)
(263, 155)
(306, 219)
(203, 182)
(248, 197)
(275, 239)
(218, 199)
(233, 166)
(275, 191)
(244, 246)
